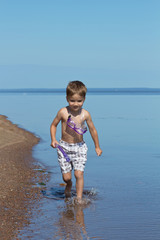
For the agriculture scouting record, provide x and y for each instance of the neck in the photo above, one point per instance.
(74, 113)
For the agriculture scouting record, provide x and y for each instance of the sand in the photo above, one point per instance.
(19, 178)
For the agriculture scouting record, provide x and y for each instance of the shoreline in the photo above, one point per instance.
(20, 174)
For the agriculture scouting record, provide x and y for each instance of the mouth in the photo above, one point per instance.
(75, 108)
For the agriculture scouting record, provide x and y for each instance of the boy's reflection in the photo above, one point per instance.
(71, 223)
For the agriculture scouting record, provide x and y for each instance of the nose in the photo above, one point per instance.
(76, 104)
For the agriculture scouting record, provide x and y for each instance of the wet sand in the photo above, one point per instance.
(19, 178)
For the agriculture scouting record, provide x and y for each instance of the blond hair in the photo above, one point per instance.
(76, 87)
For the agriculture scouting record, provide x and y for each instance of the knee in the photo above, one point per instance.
(67, 178)
(78, 174)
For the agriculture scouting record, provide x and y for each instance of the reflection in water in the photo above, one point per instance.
(70, 224)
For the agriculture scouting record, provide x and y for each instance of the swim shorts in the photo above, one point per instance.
(77, 152)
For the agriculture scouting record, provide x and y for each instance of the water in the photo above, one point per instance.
(122, 187)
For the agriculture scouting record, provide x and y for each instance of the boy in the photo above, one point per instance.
(72, 136)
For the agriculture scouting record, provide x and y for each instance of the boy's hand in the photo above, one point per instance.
(54, 143)
(98, 151)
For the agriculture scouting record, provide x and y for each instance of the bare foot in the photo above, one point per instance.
(81, 201)
(67, 190)
(78, 200)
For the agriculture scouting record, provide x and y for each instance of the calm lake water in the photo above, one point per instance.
(123, 185)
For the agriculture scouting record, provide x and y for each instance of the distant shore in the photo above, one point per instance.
(19, 172)
(90, 91)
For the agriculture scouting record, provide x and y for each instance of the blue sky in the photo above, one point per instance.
(104, 43)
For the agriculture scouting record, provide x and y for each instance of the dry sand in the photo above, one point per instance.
(19, 178)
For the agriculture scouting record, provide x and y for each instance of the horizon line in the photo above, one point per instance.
(115, 91)
(89, 88)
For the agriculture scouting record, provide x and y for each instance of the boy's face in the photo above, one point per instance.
(75, 102)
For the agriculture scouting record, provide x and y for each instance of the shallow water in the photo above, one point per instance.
(122, 186)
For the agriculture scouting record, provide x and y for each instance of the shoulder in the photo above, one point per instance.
(86, 114)
(62, 112)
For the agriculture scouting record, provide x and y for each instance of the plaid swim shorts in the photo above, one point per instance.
(77, 153)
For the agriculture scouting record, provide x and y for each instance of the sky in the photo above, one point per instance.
(103, 43)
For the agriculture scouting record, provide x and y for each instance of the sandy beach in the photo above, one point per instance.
(19, 178)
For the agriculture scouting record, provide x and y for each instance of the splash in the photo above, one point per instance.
(91, 193)
(58, 193)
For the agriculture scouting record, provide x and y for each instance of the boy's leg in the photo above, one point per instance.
(67, 179)
(79, 183)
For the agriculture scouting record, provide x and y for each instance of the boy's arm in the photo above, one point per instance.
(53, 128)
(93, 133)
